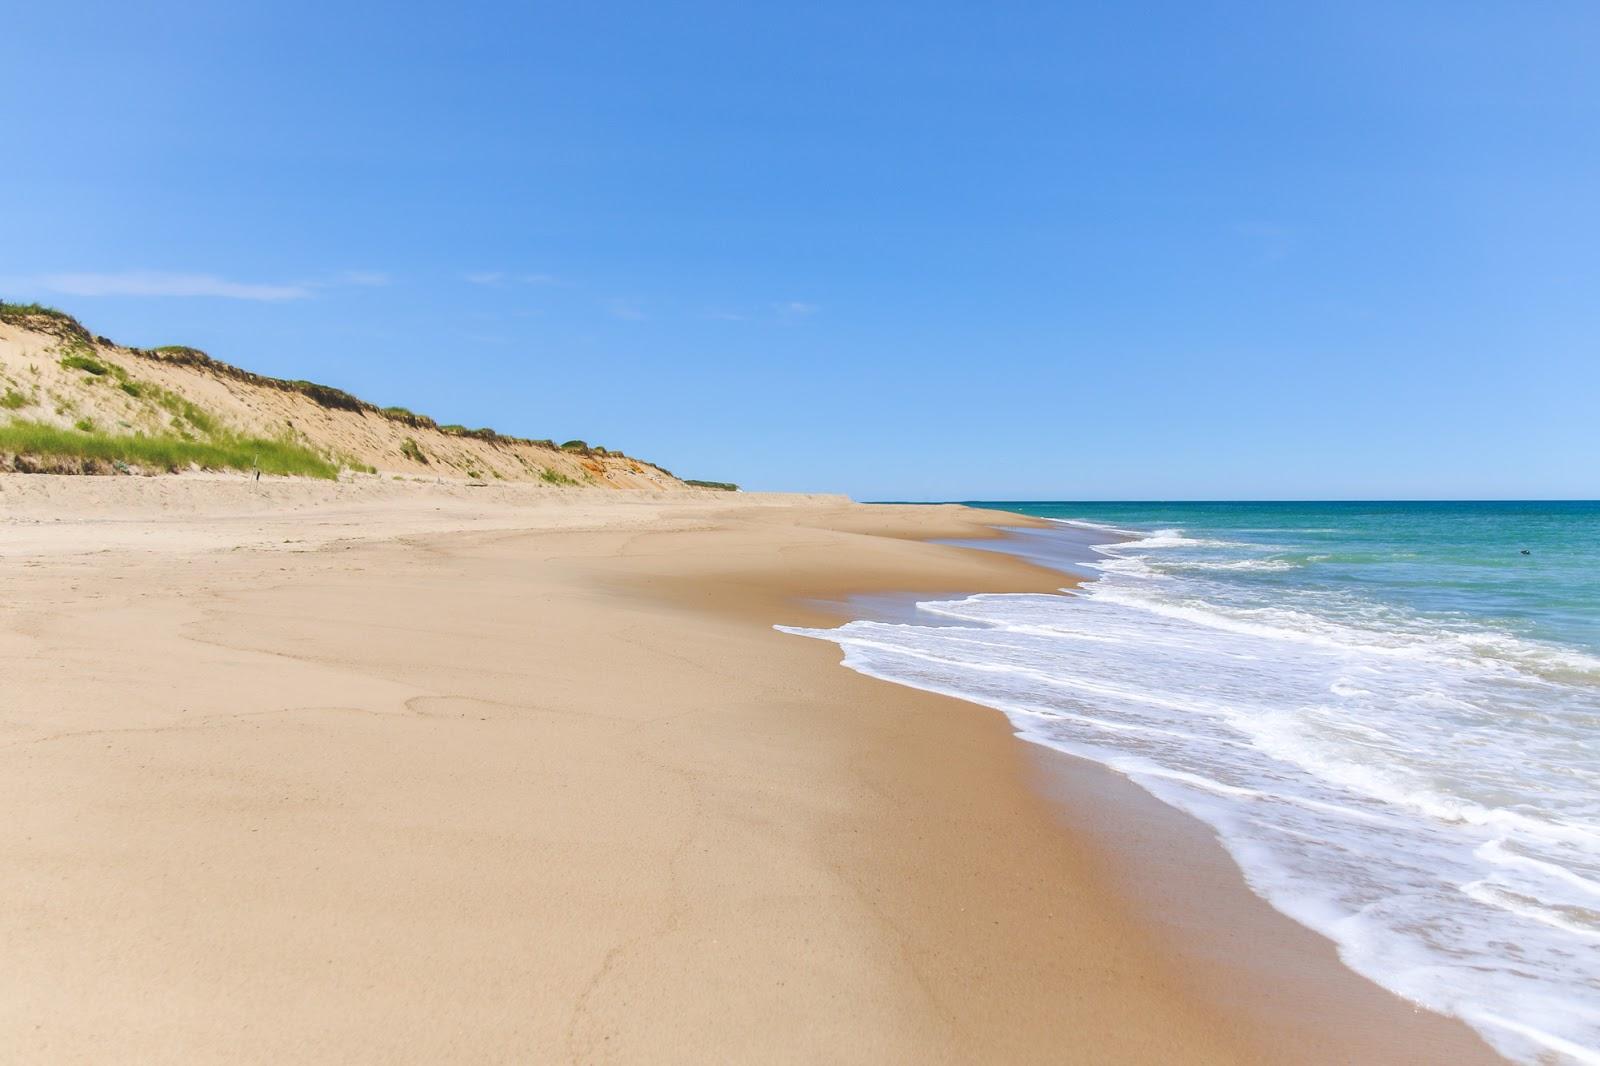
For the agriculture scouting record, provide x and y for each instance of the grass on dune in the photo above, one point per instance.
(182, 411)
(12, 312)
(85, 363)
(165, 452)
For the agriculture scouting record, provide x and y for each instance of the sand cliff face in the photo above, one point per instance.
(56, 376)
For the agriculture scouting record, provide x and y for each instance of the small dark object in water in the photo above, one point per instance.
(1525, 551)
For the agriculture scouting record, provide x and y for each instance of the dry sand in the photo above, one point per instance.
(368, 773)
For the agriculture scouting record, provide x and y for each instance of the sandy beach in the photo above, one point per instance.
(391, 772)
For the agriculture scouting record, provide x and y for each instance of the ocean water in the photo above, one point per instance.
(1389, 713)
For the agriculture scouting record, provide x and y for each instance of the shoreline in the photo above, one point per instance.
(550, 783)
(1180, 880)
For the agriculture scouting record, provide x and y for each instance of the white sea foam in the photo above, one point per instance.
(1426, 795)
(1262, 565)
(1100, 526)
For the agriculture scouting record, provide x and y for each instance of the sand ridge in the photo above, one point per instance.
(53, 371)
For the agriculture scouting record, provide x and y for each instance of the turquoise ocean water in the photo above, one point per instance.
(1389, 713)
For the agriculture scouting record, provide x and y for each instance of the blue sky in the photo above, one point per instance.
(898, 250)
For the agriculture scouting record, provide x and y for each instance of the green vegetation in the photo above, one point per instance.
(196, 437)
(14, 312)
(185, 415)
(326, 395)
(453, 429)
(485, 434)
(323, 395)
(164, 452)
(407, 417)
(78, 361)
(28, 310)
(725, 486)
(96, 357)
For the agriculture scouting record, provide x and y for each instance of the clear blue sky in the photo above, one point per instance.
(916, 250)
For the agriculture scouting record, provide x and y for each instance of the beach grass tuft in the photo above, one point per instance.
(16, 312)
(182, 411)
(87, 364)
(8, 310)
(164, 452)
(406, 416)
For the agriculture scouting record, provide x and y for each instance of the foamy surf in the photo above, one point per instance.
(1404, 771)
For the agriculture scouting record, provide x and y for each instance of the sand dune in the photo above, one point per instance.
(54, 373)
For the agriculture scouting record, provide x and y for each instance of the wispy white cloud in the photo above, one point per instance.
(370, 278)
(795, 309)
(501, 277)
(624, 310)
(784, 311)
(162, 283)
(155, 283)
